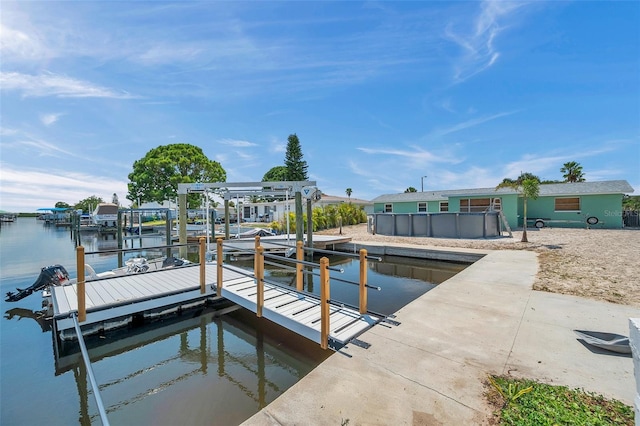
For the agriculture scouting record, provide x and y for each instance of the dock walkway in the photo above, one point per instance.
(301, 312)
(115, 302)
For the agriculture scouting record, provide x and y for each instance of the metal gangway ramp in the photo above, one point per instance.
(329, 323)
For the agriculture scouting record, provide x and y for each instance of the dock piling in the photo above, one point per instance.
(259, 281)
(220, 266)
(202, 252)
(299, 265)
(363, 281)
(82, 307)
(324, 303)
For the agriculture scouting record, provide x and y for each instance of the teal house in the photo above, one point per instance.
(572, 204)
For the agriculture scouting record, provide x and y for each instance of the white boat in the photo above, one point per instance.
(106, 215)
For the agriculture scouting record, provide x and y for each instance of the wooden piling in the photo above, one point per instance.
(203, 264)
(259, 281)
(219, 268)
(324, 303)
(299, 266)
(82, 307)
(363, 281)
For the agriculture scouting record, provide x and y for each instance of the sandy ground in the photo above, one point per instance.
(598, 264)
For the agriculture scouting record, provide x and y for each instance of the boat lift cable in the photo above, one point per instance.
(140, 248)
(87, 363)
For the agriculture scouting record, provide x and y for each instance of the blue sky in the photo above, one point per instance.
(380, 94)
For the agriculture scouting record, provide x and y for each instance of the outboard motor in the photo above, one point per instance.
(170, 262)
(49, 275)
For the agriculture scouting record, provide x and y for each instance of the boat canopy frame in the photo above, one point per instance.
(229, 190)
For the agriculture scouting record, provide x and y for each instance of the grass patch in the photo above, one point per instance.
(527, 402)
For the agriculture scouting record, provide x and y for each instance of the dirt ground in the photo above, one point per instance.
(599, 264)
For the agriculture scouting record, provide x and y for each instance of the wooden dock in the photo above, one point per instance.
(117, 302)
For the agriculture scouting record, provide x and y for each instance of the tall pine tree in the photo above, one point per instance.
(296, 166)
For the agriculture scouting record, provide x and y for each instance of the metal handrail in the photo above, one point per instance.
(333, 252)
(87, 363)
(303, 262)
(140, 248)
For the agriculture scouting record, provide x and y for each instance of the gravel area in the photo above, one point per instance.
(599, 264)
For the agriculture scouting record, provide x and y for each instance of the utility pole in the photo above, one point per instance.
(422, 183)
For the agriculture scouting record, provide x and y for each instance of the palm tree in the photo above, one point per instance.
(349, 191)
(572, 172)
(529, 186)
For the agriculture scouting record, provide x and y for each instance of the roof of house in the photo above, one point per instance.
(546, 190)
(334, 199)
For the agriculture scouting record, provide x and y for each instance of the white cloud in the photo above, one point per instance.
(468, 124)
(50, 84)
(478, 44)
(415, 155)
(18, 45)
(49, 119)
(24, 190)
(277, 145)
(237, 143)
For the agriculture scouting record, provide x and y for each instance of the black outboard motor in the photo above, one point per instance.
(50, 275)
(171, 262)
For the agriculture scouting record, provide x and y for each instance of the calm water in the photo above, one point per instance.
(196, 369)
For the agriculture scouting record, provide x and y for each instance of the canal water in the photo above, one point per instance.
(204, 368)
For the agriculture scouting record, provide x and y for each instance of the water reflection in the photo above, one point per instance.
(39, 316)
(400, 280)
(229, 347)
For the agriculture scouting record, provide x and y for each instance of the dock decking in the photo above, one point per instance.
(114, 302)
(300, 312)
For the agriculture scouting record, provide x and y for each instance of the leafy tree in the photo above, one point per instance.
(62, 204)
(529, 186)
(88, 204)
(572, 172)
(628, 202)
(156, 176)
(410, 189)
(296, 166)
(275, 174)
(524, 176)
(349, 191)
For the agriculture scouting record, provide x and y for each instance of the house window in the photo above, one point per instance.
(422, 207)
(569, 204)
(444, 206)
(388, 208)
(477, 205)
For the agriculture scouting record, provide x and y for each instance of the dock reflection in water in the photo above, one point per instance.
(214, 367)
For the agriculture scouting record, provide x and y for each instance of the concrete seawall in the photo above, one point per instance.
(430, 369)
